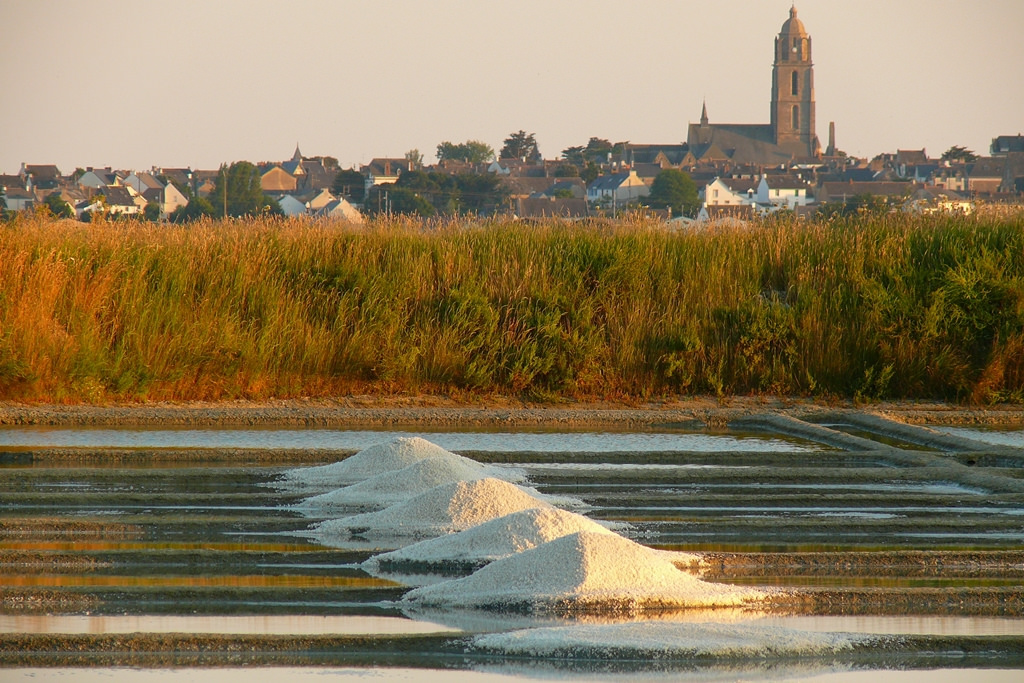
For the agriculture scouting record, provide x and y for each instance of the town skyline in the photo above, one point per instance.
(911, 76)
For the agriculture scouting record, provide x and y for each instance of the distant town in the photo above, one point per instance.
(721, 170)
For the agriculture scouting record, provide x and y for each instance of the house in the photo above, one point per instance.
(340, 209)
(931, 200)
(98, 178)
(276, 180)
(1005, 144)
(122, 200)
(783, 192)
(9, 182)
(291, 206)
(142, 182)
(985, 174)
(907, 159)
(18, 199)
(617, 189)
(43, 177)
(318, 200)
(730, 192)
(169, 198)
(893, 192)
(663, 156)
(384, 171)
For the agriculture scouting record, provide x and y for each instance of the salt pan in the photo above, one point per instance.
(489, 541)
(441, 510)
(583, 571)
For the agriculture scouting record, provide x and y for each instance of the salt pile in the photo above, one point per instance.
(583, 571)
(489, 541)
(654, 640)
(389, 488)
(389, 456)
(441, 510)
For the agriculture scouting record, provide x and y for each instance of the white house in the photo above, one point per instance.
(618, 188)
(142, 182)
(291, 206)
(730, 192)
(341, 209)
(169, 198)
(782, 192)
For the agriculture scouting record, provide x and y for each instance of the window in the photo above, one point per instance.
(796, 83)
(796, 117)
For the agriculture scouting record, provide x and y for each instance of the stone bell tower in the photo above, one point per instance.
(793, 90)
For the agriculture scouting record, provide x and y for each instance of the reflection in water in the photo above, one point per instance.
(336, 439)
(252, 624)
(259, 581)
(805, 672)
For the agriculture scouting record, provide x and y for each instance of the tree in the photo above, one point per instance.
(521, 145)
(575, 155)
(197, 207)
(958, 153)
(392, 199)
(58, 207)
(471, 151)
(349, 184)
(675, 190)
(415, 158)
(152, 212)
(241, 182)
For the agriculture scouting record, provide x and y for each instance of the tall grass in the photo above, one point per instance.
(887, 307)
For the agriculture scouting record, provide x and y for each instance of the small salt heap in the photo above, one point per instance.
(583, 571)
(393, 487)
(389, 456)
(489, 541)
(441, 510)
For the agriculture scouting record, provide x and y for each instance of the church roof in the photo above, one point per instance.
(793, 26)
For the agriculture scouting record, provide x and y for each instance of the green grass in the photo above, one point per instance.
(871, 308)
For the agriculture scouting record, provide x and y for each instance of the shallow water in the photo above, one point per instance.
(997, 437)
(337, 439)
(219, 551)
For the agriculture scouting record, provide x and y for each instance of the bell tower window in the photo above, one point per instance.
(795, 84)
(796, 117)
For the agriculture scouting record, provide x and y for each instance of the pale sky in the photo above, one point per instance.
(200, 82)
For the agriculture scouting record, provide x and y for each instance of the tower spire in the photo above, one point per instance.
(704, 114)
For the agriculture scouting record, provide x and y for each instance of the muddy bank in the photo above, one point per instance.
(490, 412)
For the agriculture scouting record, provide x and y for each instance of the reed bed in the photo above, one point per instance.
(863, 308)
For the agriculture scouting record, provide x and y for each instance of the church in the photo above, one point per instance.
(790, 135)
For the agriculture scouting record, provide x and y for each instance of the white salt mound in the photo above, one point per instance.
(389, 488)
(667, 640)
(389, 456)
(441, 510)
(585, 570)
(493, 540)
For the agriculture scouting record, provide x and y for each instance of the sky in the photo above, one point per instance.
(198, 82)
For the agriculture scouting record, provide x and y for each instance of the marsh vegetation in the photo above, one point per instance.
(863, 308)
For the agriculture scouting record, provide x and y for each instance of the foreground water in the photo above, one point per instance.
(205, 548)
(328, 439)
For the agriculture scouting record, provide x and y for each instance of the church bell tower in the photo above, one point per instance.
(793, 90)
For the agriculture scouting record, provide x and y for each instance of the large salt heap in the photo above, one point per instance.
(388, 488)
(583, 571)
(489, 541)
(389, 456)
(441, 510)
